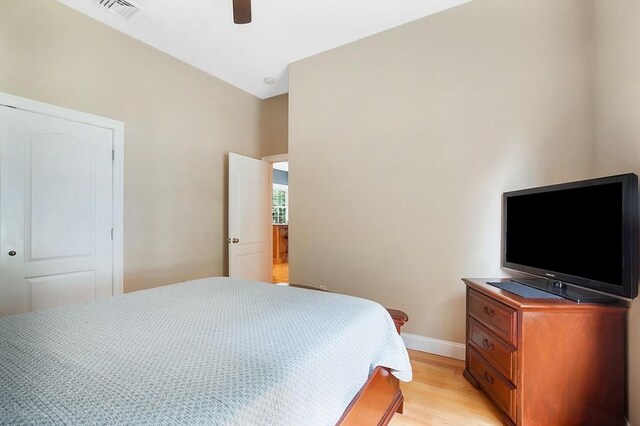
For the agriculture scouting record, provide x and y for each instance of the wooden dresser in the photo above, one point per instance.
(546, 361)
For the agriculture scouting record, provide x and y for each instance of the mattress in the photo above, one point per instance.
(215, 351)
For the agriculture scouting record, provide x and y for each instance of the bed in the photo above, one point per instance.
(216, 351)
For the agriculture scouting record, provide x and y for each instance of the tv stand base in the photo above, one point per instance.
(567, 291)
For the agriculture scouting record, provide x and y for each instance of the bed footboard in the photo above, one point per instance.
(380, 397)
(377, 401)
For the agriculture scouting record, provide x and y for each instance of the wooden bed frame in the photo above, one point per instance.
(378, 400)
(380, 397)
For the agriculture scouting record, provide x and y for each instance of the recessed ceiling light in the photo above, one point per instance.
(269, 80)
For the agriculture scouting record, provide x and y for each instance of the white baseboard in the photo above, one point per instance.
(434, 346)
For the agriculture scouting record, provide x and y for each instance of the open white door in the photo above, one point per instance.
(249, 234)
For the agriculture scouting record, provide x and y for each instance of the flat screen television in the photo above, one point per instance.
(580, 238)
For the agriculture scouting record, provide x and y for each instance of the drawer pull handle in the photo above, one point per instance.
(488, 311)
(488, 378)
(487, 344)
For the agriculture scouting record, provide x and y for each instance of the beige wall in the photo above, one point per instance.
(274, 125)
(401, 145)
(179, 125)
(617, 101)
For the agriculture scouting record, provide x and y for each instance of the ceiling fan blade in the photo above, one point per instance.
(241, 11)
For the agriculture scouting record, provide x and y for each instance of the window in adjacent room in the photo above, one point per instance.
(280, 203)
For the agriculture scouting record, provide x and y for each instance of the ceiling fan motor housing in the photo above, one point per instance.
(241, 11)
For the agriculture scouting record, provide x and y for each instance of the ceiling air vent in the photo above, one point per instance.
(122, 8)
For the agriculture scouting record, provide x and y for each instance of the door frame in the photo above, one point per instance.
(276, 158)
(117, 127)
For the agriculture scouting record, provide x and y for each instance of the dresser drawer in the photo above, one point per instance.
(499, 318)
(502, 356)
(499, 389)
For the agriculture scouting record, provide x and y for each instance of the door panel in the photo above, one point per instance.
(56, 211)
(48, 179)
(251, 266)
(249, 218)
(250, 204)
(60, 289)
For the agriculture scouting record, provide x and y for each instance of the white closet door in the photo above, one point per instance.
(249, 218)
(56, 212)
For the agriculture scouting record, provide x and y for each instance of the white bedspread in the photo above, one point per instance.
(213, 351)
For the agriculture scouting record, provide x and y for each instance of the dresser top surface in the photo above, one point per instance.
(518, 302)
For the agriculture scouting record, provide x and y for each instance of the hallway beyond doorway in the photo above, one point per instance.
(280, 273)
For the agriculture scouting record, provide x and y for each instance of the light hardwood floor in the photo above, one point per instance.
(280, 273)
(439, 395)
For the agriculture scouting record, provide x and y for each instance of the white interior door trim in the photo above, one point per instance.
(118, 167)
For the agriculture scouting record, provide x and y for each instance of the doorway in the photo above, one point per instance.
(280, 218)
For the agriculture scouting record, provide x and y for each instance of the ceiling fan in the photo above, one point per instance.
(241, 11)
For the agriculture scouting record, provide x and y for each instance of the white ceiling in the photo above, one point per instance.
(202, 33)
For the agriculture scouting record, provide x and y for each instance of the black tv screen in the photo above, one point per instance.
(581, 233)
